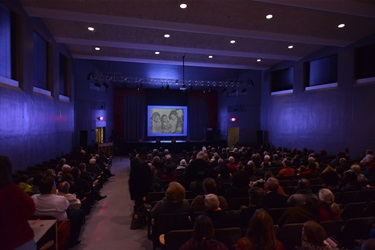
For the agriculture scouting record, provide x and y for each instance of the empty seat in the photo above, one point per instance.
(169, 221)
(174, 239)
(353, 210)
(369, 209)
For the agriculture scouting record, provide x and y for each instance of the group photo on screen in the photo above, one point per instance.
(167, 120)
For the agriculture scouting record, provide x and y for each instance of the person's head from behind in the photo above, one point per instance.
(256, 196)
(47, 185)
(175, 192)
(5, 171)
(261, 230)
(203, 228)
(273, 184)
(64, 187)
(303, 183)
(209, 186)
(202, 155)
(155, 117)
(313, 233)
(211, 202)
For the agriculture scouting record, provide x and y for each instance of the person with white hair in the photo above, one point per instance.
(220, 218)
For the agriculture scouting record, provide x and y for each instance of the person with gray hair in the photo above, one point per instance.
(273, 199)
(220, 218)
(209, 187)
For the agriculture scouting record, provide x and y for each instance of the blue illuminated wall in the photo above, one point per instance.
(330, 119)
(34, 127)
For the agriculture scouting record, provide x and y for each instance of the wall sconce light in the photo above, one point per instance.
(233, 119)
(100, 118)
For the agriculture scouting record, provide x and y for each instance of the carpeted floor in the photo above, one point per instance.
(108, 225)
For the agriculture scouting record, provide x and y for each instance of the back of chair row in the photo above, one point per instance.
(176, 238)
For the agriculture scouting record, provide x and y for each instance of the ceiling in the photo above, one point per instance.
(133, 30)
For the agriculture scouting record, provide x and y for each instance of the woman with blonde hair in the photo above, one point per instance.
(328, 209)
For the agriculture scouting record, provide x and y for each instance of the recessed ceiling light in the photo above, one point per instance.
(167, 35)
(233, 41)
(269, 16)
(97, 48)
(258, 60)
(183, 6)
(290, 47)
(157, 52)
(91, 28)
(210, 56)
(342, 25)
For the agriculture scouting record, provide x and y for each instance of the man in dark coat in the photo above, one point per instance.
(140, 179)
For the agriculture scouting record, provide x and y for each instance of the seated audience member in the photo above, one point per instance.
(273, 199)
(199, 168)
(287, 169)
(267, 175)
(260, 233)
(232, 165)
(361, 178)
(311, 169)
(330, 178)
(328, 209)
(303, 193)
(314, 237)
(48, 203)
(202, 238)
(368, 157)
(173, 202)
(209, 187)
(256, 196)
(299, 213)
(23, 183)
(351, 182)
(219, 218)
(240, 183)
(63, 190)
(16, 207)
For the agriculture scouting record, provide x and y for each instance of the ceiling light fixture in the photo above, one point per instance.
(91, 28)
(259, 60)
(342, 25)
(157, 52)
(233, 41)
(210, 57)
(97, 48)
(167, 35)
(269, 16)
(290, 47)
(183, 6)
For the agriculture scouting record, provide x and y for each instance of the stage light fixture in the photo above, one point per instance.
(233, 119)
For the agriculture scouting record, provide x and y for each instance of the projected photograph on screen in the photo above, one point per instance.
(167, 121)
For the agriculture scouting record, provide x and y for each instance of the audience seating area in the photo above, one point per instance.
(93, 169)
(357, 206)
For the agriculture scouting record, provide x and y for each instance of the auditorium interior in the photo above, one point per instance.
(83, 75)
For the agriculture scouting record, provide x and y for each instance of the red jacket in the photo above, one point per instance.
(16, 207)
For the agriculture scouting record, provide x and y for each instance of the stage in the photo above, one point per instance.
(176, 146)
